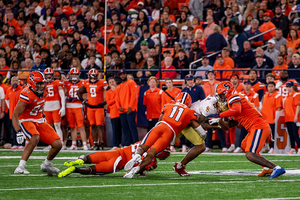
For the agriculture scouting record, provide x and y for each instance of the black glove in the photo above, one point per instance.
(20, 136)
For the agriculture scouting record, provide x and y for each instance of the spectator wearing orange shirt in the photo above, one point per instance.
(272, 102)
(293, 40)
(126, 103)
(117, 34)
(170, 93)
(219, 65)
(8, 42)
(11, 21)
(229, 61)
(267, 25)
(171, 4)
(109, 28)
(291, 115)
(211, 84)
(152, 100)
(279, 67)
(11, 98)
(114, 112)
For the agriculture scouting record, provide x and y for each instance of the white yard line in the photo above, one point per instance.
(143, 185)
(276, 198)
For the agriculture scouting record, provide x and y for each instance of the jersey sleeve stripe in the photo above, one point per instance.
(232, 99)
(24, 97)
(183, 98)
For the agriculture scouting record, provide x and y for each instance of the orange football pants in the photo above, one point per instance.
(159, 137)
(52, 116)
(74, 117)
(105, 160)
(256, 138)
(95, 116)
(44, 130)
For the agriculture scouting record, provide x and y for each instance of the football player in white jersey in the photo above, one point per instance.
(205, 109)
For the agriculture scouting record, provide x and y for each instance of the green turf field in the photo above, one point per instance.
(214, 176)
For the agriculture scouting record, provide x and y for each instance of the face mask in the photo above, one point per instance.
(284, 79)
(15, 85)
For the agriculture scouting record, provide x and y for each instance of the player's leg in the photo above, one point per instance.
(92, 122)
(32, 135)
(253, 143)
(199, 147)
(80, 125)
(49, 136)
(117, 131)
(232, 139)
(272, 126)
(70, 115)
(99, 116)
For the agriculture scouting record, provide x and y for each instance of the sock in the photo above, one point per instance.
(179, 165)
(22, 163)
(58, 130)
(83, 143)
(47, 162)
(266, 168)
(74, 143)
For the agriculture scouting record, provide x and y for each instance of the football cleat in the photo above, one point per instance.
(271, 150)
(21, 148)
(70, 163)
(207, 150)
(15, 147)
(135, 159)
(73, 147)
(181, 171)
(46, 168)
(237, 150)
(292, 151)
(224, 150)
(132, 172)
(6, 146)
(172, 148)
(231, 148)
(265, 172)
(277, 171)
(21, 170)
(85, 148)
(67, 172)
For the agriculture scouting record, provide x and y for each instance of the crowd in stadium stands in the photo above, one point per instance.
(135, 47)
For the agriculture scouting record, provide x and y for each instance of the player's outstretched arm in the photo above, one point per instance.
(20, 107)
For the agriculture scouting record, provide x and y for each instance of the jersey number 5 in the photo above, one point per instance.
(50, 92)
(174, 111)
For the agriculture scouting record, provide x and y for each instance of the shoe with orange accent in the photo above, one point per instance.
(15, 147)
(265, 172)
(271, 150)
(180, 171)
(184, 149)
(292, 151)
(21, 147)
(224, 150)
(172, 148)
(207, 150)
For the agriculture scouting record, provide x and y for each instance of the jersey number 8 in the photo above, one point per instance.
(93, 92)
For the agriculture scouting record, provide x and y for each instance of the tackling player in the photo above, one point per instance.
(174, 118)
(243, 112)
(28, 122)
(109, 161)
(74, 111)
(96, 90)
(55, 102)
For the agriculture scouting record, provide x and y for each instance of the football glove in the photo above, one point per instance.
(214, 121)
(20, 136)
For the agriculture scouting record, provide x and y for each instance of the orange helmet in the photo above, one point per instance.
(49, 74)
(152, 165)
(184, 98)
(74, 74)
(225, 88)
(35, 81)
(93, 75)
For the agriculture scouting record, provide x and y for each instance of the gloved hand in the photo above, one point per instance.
(214, 121)
(62, 112)
(20, 136)
(101, 105)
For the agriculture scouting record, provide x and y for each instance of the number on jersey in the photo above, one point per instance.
(93, 92)
(50, 91)
(35, 110)
(174, 111)
(73, 92)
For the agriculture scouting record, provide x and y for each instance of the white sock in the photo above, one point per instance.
(179, 165)
(266, 168)
(74, 143)
(47, 162)
(58, 130)
(65, 142)
(22, 163)
(83, 143)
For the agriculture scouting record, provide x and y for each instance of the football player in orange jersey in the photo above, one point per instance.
(257, 86)
(174, 118)
(109, 161)
(28, 122)
(96, 90)
(55, 103)
(243, 112)
(74, 111)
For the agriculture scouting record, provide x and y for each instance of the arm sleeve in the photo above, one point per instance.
(62, 98)
(2, 95)
(256, 100)
(134, 92)
(235, 109)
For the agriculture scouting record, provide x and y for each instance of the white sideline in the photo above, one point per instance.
(139, 185)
